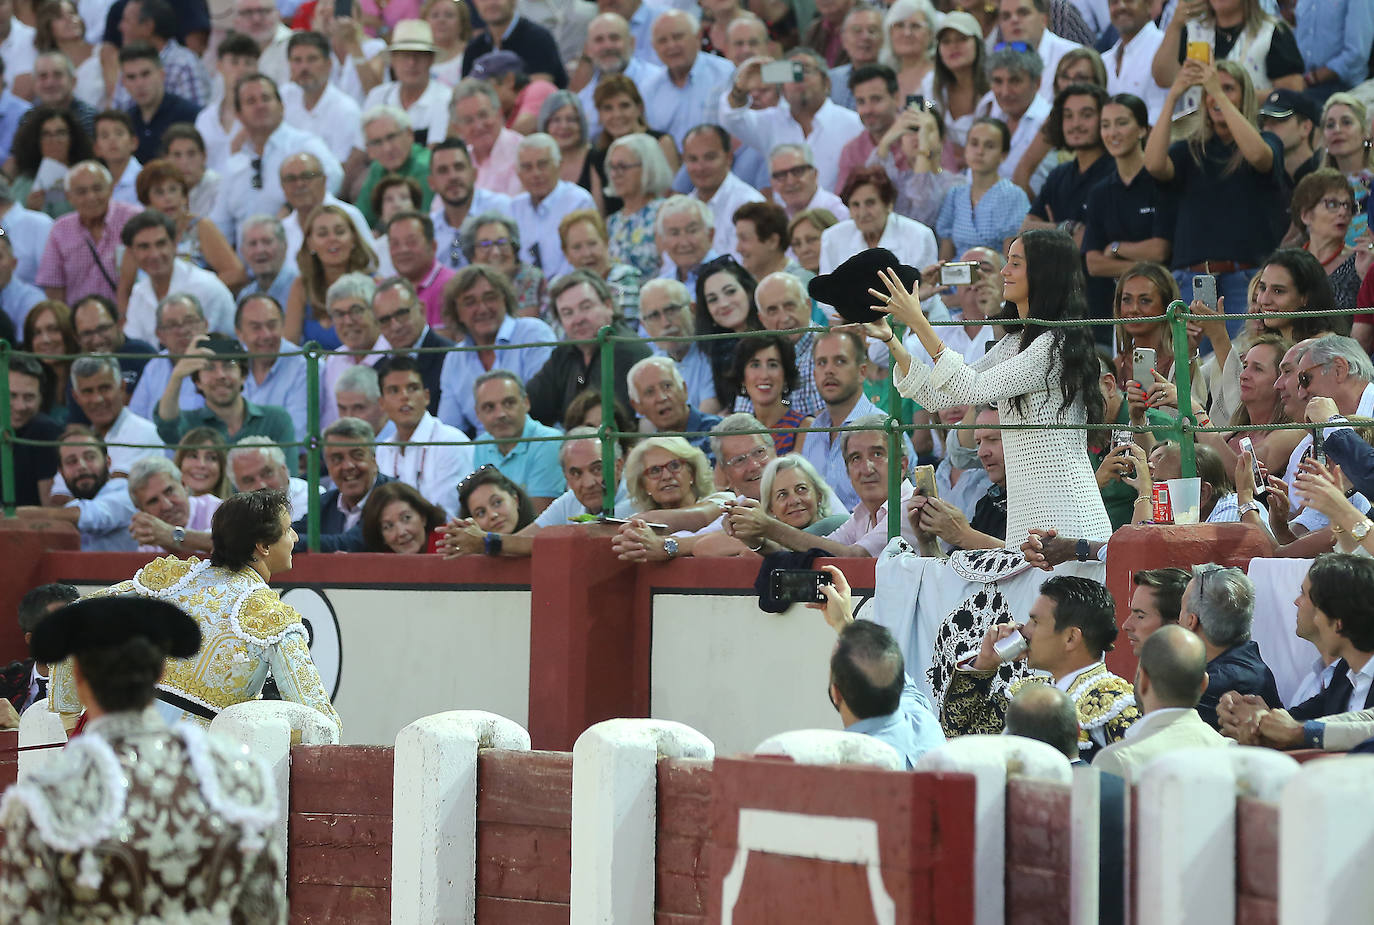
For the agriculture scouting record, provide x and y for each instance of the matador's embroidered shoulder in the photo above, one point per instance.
(261, 617)
(163, 573)
(1103, 698)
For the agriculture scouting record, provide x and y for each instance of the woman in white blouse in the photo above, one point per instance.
(870, 197)
(1036, 376)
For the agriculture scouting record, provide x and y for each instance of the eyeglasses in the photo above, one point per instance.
(1305, 377)
(671, 467)
(492, 244)
(758, 454)
(621, 167)
(399, 314)
(654, 317)
(290, 179)
(97, 331)
(386, 139)
(1339, 205)
(792, 173)
(1014, 46)
(352, 313)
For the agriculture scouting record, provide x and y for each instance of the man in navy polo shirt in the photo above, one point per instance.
(154, 109)
(506, 30)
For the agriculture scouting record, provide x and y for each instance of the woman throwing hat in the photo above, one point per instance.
(1035, 376)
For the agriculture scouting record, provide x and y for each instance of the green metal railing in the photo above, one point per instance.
(1176, 317)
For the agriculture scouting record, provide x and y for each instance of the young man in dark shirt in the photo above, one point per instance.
(34, 466)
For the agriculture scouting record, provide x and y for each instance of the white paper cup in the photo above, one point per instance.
(1185, 496)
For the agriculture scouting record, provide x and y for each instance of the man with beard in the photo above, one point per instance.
(610, 49)
(658, 395)
(504, 410)
(101, 508)
(453, 178)
(314, 103)
(1075, 123)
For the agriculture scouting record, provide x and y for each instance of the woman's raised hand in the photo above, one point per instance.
(900, 302)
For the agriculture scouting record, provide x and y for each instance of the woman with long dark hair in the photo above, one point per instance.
(725, 305)
(1038, 376)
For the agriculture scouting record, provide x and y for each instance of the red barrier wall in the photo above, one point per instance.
(1038, 852)
(1257, 862)
(524, 837)
(684, 830)
(22, 547)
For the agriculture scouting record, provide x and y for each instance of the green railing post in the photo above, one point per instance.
(311, 443)
(606, 359)
(1183, 380)
(894, 446)
(6, 436)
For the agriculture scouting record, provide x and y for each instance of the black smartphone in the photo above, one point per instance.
(798, 585)
(343, 8)
(916, 101)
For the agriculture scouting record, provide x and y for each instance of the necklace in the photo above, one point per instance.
(1340, 248)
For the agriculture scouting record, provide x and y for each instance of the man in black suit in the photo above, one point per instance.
(351, 458)
(1219, 606)
(402, 317)
(25, 682)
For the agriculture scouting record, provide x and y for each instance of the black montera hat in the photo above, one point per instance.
(846, 287)
(101, 622)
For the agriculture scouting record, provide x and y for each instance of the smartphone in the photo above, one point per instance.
(1319, 444)
(1205, 290)
(798, 585)
(1261, 486)
(1200, 51)
(1124, 438)
(1143, 366)
(782, 72)
(923, 478)
(343, 8)
(915, 101)
(958, 272)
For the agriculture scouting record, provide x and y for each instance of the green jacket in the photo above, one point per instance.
(417, 166)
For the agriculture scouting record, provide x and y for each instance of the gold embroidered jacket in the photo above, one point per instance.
(245, 629)
(1106, 705)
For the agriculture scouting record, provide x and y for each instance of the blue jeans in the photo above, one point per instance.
(1233, 288)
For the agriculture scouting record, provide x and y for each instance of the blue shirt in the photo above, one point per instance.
(998, 216)
(533, 466)
(279, 290)
(12, 109)
(1336, 34)
(28, 233)
(913, 730)
(642, 28)
(446, 247)
(540, 244)
(283, 387)
(695, 367)
(105, 519)
(675, 109)
(457, 407)
(828, 458)
(566, 505)
(153, 382)
(17, 298)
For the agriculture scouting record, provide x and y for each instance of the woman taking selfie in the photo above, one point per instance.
(1036, 375)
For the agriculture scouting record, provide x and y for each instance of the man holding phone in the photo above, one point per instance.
(873, 91)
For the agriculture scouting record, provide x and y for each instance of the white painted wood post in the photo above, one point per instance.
(614, 802)
(1326, 837)
(41, 735)
(992, 759)
(831, 746)
(434, 813)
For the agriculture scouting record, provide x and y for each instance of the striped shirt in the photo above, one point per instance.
(998, 216)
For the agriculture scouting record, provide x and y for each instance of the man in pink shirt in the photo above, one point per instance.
(410, 238)
(875, 97)
(80, 256)
(475, 117)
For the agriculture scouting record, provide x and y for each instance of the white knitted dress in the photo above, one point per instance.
(1050, 480)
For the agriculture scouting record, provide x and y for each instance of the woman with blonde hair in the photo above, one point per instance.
(331, 248)
(451, 24)
(1349, 143)
(1235, 32)
(909, 46)
(639, 178)
(665, 474)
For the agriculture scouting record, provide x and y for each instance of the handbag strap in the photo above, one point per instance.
(100, 266)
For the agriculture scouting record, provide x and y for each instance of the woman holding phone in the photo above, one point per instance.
(1037, 375)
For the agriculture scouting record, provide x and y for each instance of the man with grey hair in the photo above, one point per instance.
(1219, 606)
(350, 457)
(1045, 713)
(583, 470)
(1015, 79)
(255, 464)
(1338, 369)
(742, 453)
(303, 185)
(1170, 677)
(610, 49)
(26, 229)
(180, 321)
(169, 519)
(503, 409)
(357, 394)
(684, 231)
(861, 37)
(54, 84)
(796, 182)
(1028, 21)
(685, 94)
(97, 386)
(546, 199)
(810, 116)
(665, 310)
(658, 395)
(785, 305)
(349, 304)
(263, 246)
(475, 117)
(391, 144)
(80, 257)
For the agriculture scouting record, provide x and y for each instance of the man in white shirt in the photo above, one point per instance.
(434, 471)
(254, 465)
(218, 122)
(27, 231)
(1027, 21)
(792, 168)
(686, 94)
(809, 116)
(542, 205)
(303, 184)
(259, 20)
(1128, 61)
(425, 100)
(610, 49)
(150, 237)
(251, 184)
(1014, 76)
(706, 155)
(315, 105)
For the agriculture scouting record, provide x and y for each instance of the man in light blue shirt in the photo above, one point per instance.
(665, 310)
(16, 296)
(27, 231)
(262, 244)
(539, 210)
(504, 410)
(277, 380)
(1334, 37)
(641, 17)
(869, 686)
(12, 109)
(101, 508)
(686, 94)
(485, 304)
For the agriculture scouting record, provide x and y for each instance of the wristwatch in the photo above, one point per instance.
(178, 535)
(1247, 507)
(1081, 549)
(670, 547)
(1361, 530)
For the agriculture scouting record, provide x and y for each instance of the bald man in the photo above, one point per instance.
(1169, 681)
(1045, 713)
(609, 50)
